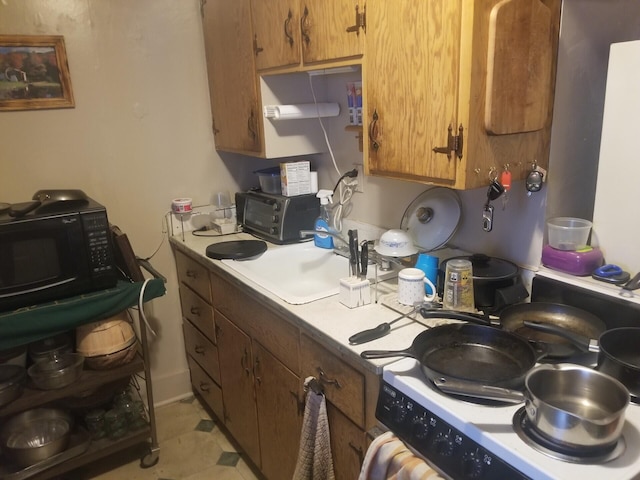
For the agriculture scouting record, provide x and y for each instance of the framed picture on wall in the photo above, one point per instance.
(34, 73)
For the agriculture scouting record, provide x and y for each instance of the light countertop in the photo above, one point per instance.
(327, 318)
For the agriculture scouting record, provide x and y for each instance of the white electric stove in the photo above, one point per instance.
(463, 439)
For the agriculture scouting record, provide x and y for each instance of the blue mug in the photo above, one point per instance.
(429, 265)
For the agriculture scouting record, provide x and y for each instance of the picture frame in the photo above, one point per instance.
(34, 73)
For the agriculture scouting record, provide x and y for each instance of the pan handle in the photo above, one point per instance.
(372, 354)
(476, 390)
(584, 343)
(454, 315)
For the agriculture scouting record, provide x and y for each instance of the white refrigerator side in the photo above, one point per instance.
(616, 227)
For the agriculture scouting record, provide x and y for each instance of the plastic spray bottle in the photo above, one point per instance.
(323, 222)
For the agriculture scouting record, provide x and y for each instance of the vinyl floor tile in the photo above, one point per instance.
(192, 447)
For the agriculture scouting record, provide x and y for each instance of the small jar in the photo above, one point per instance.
(94, 420)
(115, 423)
(138, 419)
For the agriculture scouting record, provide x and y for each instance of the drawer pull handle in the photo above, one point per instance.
(204, 386)
(199, 349)
(195, 311)
(323, 379)
(191, 274)
(256, 371)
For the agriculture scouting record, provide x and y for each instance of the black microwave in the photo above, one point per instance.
(61, 249)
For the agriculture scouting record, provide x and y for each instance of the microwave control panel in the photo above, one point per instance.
(96, 231)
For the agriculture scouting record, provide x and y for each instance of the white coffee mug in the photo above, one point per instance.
(411, 283)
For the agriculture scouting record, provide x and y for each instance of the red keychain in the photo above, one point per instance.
(505, 180)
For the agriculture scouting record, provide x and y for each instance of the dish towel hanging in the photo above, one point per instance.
(388, 458)
(315, 461)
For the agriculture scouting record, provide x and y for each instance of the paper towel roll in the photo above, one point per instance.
(304, 110)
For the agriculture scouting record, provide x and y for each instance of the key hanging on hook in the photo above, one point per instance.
(505, 180)
(495, 191)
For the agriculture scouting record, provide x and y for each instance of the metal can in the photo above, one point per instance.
(458, 286)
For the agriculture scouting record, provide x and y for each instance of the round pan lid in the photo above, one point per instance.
(433, 217)
(236, 249)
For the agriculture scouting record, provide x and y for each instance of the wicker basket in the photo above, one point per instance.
(107, 343)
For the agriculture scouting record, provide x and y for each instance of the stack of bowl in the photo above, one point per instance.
(568, 249)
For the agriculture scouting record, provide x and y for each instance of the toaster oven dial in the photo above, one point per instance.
(276, 206)
(275, 219)
(273, 230)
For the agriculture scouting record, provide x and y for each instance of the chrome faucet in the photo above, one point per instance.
(342, 250)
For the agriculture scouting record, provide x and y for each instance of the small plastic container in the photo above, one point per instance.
(568, 233)
(269, 179)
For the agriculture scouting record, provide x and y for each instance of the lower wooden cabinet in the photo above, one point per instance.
(248, 363)
(348, 444)
(236, 378)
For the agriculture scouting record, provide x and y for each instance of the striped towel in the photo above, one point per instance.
(315, 461)
(388, 458)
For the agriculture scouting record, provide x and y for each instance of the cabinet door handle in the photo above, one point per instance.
(199, 349)
(195, 311)
(373, 131)
(287, 28)
(252, 126)
(326, 381)
(361, 21)
(191, 274)
(358, 451)
(256, 48)
(305, 26)
(299, 403)
(204, 386)
(244, 361)
(256, 371)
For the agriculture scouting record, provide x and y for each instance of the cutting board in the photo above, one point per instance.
(519, 66)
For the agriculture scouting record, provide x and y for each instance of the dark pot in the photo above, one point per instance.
(496, 282)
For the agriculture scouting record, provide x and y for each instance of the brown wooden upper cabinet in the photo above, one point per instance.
(233, 87)
(289, 33)
(458, 90)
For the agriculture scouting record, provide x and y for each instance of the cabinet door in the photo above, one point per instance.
(348, 445)
(324, 27)
(236, 380)
(411, 87)
(276, 29)
(232, 80)
(277, 393)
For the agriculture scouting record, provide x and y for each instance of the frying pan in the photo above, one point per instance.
(513, 318)
(467, 352)
(48, 199)
(618, 353)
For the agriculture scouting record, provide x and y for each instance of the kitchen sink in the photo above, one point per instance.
(298, 273)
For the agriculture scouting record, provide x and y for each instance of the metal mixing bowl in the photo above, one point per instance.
(56, 371)
(35, 435)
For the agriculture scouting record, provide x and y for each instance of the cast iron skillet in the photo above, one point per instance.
(473, 353)
(514, 317)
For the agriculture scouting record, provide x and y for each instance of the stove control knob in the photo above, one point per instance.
(444, 444)
(420, 428)
(398, 411)
(472, 464)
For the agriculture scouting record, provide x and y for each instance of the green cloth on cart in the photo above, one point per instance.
(30, 324)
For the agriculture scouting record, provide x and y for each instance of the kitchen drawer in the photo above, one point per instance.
(198, 312)
(202, 350)
(204, 386)
(343, 385)
(277, 335)
(194, 275)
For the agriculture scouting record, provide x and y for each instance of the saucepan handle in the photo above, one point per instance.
(455, 315)
(476, 390)
(585, 343)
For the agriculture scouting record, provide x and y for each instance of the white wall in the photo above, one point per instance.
(138, 137)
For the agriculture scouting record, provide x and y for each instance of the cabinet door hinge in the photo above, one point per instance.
(454, 143)
(361, 21)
